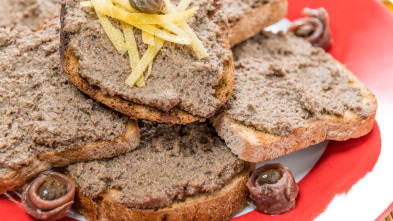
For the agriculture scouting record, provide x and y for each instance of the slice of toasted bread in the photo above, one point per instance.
(178, 172)
(218, 205)
(46, 121)
(139, 110)
(246, 20)
(12, 179)
(254, 145)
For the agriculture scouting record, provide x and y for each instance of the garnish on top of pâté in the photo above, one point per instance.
(168, 24)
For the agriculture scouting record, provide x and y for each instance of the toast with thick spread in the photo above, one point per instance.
(249, 17)
(178, 172)
(289, 95)
(46, 121)
(180, 89)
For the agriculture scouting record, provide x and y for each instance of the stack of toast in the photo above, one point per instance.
(183, 146)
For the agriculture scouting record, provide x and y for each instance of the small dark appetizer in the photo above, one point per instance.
(273, 189)
(49, 196)
(314, 27)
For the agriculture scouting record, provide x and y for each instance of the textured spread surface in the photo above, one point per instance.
(172, 162)
(235, 9)
(30, 13)
(282, 82)
(178, 78)
(41, 110)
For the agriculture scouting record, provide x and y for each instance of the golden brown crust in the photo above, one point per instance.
(14, 179)
(141, 111)
(252, 23)
(252, 145)
(219, 205)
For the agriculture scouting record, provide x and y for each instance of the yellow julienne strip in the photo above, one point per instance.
(151, 19)
(163, 34)
(149, 71)
(106, 7)
(141, 81)
(103, 6)
(183, 5)
(176, 30)
(196, 44)
(147, 38)
(170, 9)
(125, 4)
(86, 4)
(131, 44)
(133, 53)
(174, 21)
(114, 34)
(147, 58)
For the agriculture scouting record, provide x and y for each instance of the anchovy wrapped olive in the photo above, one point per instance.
(273, 189)
(49, 197)
(148, 6)
(314, 27)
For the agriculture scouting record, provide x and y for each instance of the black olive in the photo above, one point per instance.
(52, 189)
(304, 31)
(148, 6)
(269, 177)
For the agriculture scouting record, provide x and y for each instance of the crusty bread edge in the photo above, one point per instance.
(218, 205)
(14, 179)
(141, 111)
(252, 145)
(259, 18)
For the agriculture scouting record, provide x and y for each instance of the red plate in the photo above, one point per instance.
(353, 179)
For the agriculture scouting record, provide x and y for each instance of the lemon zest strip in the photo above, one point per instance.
(114, 34)
(146, 59)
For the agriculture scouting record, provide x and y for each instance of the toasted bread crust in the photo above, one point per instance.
(141, 111)
(219, 205)
(252, 23)
(252, 145)
(14, 179)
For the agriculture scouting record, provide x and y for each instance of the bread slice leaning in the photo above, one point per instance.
(58, 125)
(254, 21)
(219, 205)
(254, 145)
(141, 111)
(11, 179)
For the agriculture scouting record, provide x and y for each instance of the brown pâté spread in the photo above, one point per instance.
(30, 13)
(283, 82)
(178, 78)
(172, 162)
(234, 9)
(41, 111)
